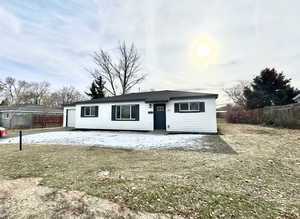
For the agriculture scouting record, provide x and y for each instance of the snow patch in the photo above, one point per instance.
(129, 140)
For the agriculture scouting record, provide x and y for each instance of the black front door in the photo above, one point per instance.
(159, 116)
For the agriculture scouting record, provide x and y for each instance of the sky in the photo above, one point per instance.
(53, 40)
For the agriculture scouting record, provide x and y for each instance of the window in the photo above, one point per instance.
(190, 107)
(125, 112)
(160, 109)
(194, 107)
(5, 115)
(89, 111)
(183, 106)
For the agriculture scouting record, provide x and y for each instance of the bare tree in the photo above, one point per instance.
(121, 76)
(236, 93)
(22, 92)
(64, 95)
(15, 91)
(38, 92)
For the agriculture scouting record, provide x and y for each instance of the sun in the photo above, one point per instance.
(203, 51)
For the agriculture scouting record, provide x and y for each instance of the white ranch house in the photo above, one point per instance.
(171, 111)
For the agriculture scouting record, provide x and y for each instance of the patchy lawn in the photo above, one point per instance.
(260, 180)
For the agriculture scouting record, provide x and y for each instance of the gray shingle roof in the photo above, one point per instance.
(152, 96)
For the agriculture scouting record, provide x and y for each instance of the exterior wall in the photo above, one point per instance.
(103, 121)
(5, 122)
(17, 120)
(205, 122)
(21, 119)
(65, 114)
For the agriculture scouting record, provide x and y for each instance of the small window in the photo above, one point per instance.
(160, 108)
(89, 111)
(5, 116)
(190, 107)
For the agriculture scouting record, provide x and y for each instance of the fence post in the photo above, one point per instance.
(20, 140)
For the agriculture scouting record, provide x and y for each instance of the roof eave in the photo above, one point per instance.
(195, 97)
(107, 101)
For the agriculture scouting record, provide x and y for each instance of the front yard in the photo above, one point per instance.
(258, 177)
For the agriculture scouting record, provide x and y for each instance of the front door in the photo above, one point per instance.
(159, 116)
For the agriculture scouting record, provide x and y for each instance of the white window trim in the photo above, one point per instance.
(189, 107)
(130, 112)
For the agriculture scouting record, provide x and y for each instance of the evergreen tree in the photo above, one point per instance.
(97, 89)
(268, 89)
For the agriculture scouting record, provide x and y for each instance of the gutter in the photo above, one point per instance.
(139, 100)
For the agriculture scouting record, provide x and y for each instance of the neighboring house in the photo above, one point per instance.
(297, 98)
(172, 111)
(29, 116)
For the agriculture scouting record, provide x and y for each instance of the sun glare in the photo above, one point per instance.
(203, 51)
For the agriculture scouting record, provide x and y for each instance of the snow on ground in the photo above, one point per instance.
(130, 140)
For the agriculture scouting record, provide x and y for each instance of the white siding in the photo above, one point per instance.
(177, 122)
(65, 114)
(103, 121)
(192, 122)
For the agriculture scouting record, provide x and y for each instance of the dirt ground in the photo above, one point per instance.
(23, 198)
(259, 178)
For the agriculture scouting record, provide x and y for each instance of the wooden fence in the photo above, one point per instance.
(287, 116)
(284, 116)
(45, 121)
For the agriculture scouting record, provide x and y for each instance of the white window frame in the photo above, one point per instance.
(90, 110)
(130, 112)
(189, 107)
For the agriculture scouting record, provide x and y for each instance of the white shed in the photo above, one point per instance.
(171, 111)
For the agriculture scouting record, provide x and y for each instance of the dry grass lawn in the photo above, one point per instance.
(260, 180)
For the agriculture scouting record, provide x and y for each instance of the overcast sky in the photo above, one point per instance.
(53, 39)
